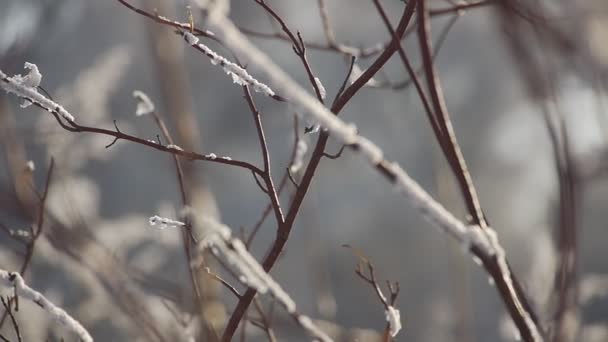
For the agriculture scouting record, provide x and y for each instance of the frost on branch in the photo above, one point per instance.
(26, 87)
(165, 223)
(433, 211)
(321, 88)
(30, 166)
(239, 75)
(220, 241)
(393, 317)
(15, 281)
(144, 104)
(298, 160)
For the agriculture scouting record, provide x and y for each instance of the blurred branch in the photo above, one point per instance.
(34, 231)
(7, 307)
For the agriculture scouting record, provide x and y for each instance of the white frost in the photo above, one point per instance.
(239, 75)
(251, 273)
(174, 147)
(298, 160)
(30, 166)
(190, 38)
(393, 317)
(165, 222)
(27, 88)
(322, 90)
(433, 211)
(13, 280)
(144, 104)
(211, 156)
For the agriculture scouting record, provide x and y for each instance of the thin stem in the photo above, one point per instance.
(266, 175)
(285, 229)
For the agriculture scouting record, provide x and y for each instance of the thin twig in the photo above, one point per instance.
(327, 30)
(7, 306)
(317, 154)
(271, 190)
(282, 183)
(336, 155)
(36, 231)
(223, 282)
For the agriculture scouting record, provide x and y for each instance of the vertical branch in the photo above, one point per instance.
(35, 231)
(453, 151)
(318, 152)
(267, 175)
(327, 30)
(175, 88)
(507, 284)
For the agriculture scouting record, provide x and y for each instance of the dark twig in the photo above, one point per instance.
(74, 127)
(444, 127)
(282, 184)
(116, 137)
(292, 179)
(437, 48)
(461, 8)
(188, 238)
(7, 306)
(35, 231)
(317, 154)
(335, 156)
(517, 304)
(362, 52)
(223, 282)
(271, 190)
(257, 181)
(345, 82)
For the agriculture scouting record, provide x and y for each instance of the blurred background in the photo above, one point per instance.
(510, 77)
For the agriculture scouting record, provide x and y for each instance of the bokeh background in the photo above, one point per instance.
(98, 251)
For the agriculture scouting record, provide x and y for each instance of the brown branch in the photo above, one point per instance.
(282, 183)
(188, 238)
(370, 278)
(266, 175)
(35, 231)
(285, 229)
(514, 299)
(299, 47)
(413, 76)
(361, 52)
(223, 282)
(7, 306)
(452, 148)
(74, 127)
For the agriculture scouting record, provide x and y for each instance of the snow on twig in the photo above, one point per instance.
(393, 317)
(347, 133)
(220, 240)
(165, 222)
(14, 280)
(239, 75)
(469, 236)
(144, 104)
(27, 88)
